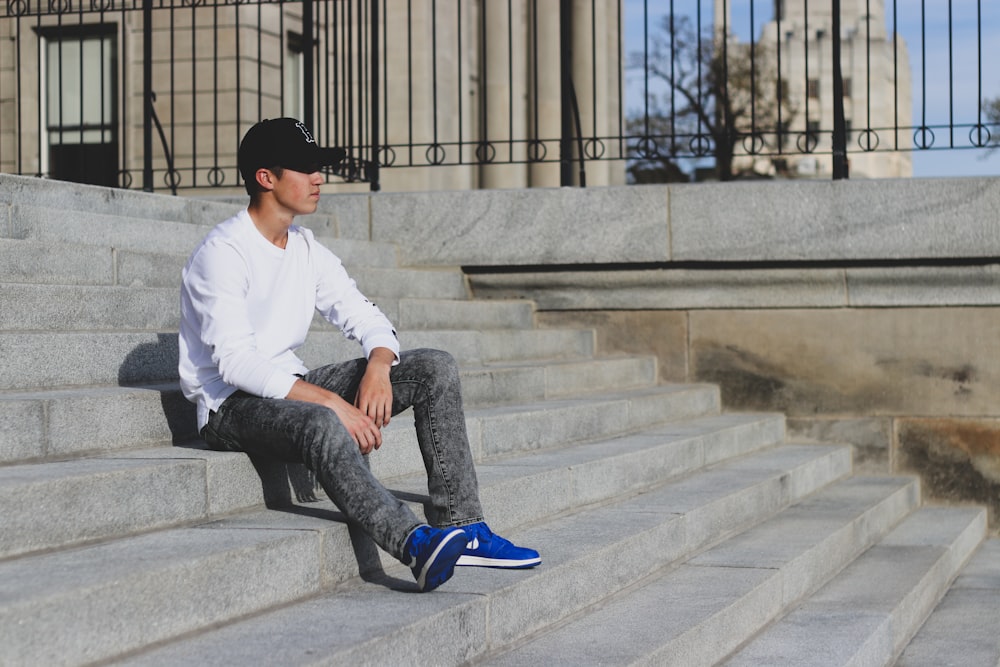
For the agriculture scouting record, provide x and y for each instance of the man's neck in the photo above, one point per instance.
(271, 224)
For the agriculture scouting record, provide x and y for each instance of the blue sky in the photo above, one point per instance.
(929, 50)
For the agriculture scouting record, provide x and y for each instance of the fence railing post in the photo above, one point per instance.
(840, 166)
(308, 66)
(566, 91)
(147, 95)
(375, 109)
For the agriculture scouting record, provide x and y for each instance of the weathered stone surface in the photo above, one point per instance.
(22, 429)
(860, 362)
(524, 227)
(924, 286)
(347, 214)
(871, 437)
(957, 459)
(663, 333)
(668, 288)
(847, 374)
(783, 221)
(736, 287)
(822, 220)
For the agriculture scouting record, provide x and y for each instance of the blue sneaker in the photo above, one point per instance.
(433, 552)
(488, 550)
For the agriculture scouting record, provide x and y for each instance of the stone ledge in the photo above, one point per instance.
(777, 221)
(524, 227)
(682, 289)
(824, 220)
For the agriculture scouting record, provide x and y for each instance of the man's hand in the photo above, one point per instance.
(361, 427)
(374, 397)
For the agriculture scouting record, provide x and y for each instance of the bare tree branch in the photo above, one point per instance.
(727, 92)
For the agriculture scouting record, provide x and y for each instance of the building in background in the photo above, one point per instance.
(480, 81)
(877, 91)
(468, 94)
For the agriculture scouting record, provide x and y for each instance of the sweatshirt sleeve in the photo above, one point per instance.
(216, 283)
(340, 302)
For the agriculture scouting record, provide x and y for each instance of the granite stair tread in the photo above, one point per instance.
(134, 356)
(40, 307)
(698, 612)
(178, 237)
(48, 424)
(63, 503)
(713, 535)
(61, 261)
(964, 628)
(869, 612)
(608, 546)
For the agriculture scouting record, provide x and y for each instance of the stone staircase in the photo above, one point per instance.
(671, 531)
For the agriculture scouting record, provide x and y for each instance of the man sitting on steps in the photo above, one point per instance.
(247, 299)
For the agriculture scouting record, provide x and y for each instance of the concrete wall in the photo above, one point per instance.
(867, 311)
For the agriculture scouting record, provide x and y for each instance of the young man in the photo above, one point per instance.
(248, 295)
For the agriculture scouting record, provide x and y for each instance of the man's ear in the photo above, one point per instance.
(265, 178)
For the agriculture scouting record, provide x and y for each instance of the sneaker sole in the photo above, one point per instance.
(441, 565)
(480, 561)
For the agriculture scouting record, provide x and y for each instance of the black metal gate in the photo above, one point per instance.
(157, 93)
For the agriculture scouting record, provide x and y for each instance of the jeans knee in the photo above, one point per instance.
(325, 436)
(431, 364)
(443, 368)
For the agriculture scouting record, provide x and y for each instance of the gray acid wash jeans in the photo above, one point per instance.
(300, 432)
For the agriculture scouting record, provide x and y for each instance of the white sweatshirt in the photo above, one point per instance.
(246, 306)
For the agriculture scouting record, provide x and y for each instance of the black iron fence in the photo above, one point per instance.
(807, 88)
(157, 93)
(503, 93)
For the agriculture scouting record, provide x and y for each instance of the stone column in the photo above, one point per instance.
(504, 85)
(595, 77)
(545, 108)
(615, 78)
(405, 102)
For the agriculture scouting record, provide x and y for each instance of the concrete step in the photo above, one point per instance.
(489, 347)
(43, 307)
(89, 358)
(67, 423)
(526, 490)
(452, 314)
(81, 605)
(411, 283)
(964, 629)
(27, 191)
(356, 254)
(36, 222)
(698, 613)
(53, 263)
(342, 222)
(123, 357)
(68, 263)
(540, 425)
(870, 611)
(587, 555)
(440, 314)
(61, 504)
(500, 383)
(499, 432)
(91, 228)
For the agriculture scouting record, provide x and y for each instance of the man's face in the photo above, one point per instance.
(296, 191)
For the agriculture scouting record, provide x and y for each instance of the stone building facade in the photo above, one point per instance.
(877, 89)
(460, 79)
